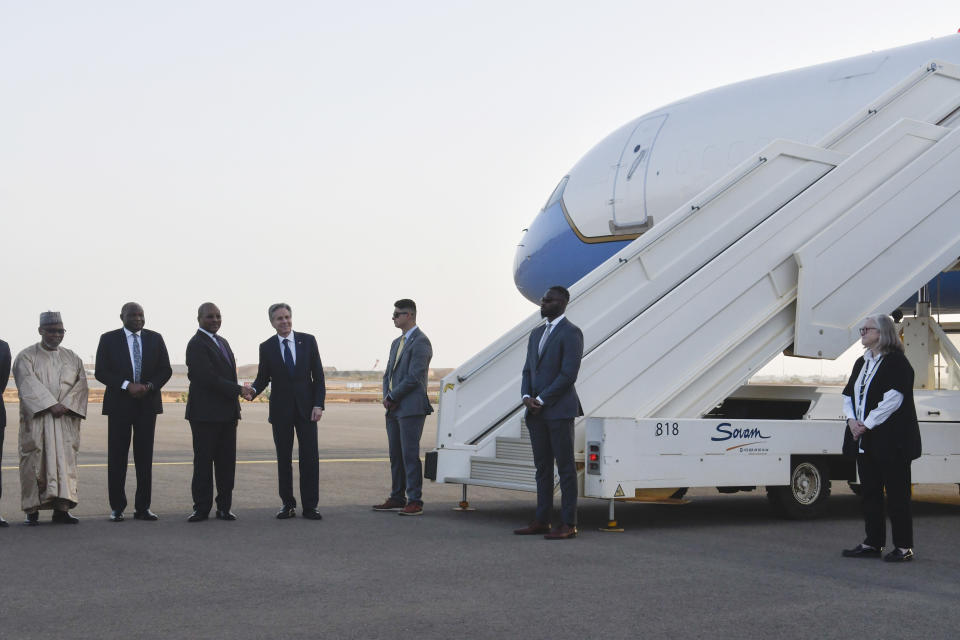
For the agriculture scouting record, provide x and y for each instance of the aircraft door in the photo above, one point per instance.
(629, 203)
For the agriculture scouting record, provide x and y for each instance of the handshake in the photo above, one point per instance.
(248, 393)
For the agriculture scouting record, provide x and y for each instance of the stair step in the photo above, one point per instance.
(498, 470)
(495, 484)
(514, 449)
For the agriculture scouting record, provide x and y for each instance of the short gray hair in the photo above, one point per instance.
(278, 305)
(889, 338)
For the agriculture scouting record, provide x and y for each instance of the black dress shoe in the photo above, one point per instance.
(312, 514)
(862, 551)
(3, 523)
(33, 519)
(226, 515)
(899, 556)
(196, 516)
(64, 517)
(286, 512)
(145, 515)
(116, 516)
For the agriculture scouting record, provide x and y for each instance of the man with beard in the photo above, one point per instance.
(553, 359)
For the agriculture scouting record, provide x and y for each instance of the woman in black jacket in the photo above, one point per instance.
(883, 434)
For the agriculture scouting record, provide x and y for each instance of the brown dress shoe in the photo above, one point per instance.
(563, 532)
(533, 529)
(392, 504)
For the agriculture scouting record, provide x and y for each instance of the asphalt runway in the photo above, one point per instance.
(719, 567)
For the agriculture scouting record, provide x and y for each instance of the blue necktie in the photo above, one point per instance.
(288, 356)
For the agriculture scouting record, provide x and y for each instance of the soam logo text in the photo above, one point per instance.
(726, 431)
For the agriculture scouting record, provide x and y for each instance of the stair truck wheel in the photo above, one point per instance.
(806, 494)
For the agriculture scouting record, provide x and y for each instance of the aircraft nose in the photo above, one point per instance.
(551, 253)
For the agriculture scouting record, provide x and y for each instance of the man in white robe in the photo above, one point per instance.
(52, 385)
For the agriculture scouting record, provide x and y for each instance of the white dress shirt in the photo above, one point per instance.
(293, 346)
(293, 351)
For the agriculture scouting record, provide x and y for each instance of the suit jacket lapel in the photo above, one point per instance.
(214, 345)
(300, 352)
(146, 344)
(406, 347)
(125, 350)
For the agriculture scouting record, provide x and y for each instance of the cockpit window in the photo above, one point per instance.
(557, 194)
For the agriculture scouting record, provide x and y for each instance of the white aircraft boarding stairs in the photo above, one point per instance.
(793, 247)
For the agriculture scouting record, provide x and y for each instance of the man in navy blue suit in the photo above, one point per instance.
(290, 364)
(553, 359)
(133, 365)
(4, 378)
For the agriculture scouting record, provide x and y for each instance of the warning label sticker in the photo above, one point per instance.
(619, 492)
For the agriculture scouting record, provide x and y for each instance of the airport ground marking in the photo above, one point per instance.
(99, 465)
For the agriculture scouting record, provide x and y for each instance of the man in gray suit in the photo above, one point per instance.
(554, 352)
(405, 399)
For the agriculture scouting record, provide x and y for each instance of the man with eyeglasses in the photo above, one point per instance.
(52, 385)
(407, 405)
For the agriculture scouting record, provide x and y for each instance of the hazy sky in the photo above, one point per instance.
(338, 156)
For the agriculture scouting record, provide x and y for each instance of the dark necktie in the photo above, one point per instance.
(137, 358)
(288, 356)
(223, 349)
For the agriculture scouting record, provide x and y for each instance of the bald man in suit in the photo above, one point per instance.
(213, 409)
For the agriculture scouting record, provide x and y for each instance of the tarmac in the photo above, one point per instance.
(721, 566)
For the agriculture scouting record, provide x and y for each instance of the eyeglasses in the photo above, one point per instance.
(863, 330)
(54, 332)
(397, 314)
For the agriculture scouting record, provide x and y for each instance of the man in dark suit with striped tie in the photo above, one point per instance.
(133, 365)
(290, 364)
(213, 409)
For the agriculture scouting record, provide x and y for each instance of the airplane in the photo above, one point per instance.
(655, 163)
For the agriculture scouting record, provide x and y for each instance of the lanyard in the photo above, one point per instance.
(866, 377)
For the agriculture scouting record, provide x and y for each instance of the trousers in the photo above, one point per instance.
(309, 456)
(141, 426)
(406, 470)
(892, 475)
(552, 440)
(214, 453)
